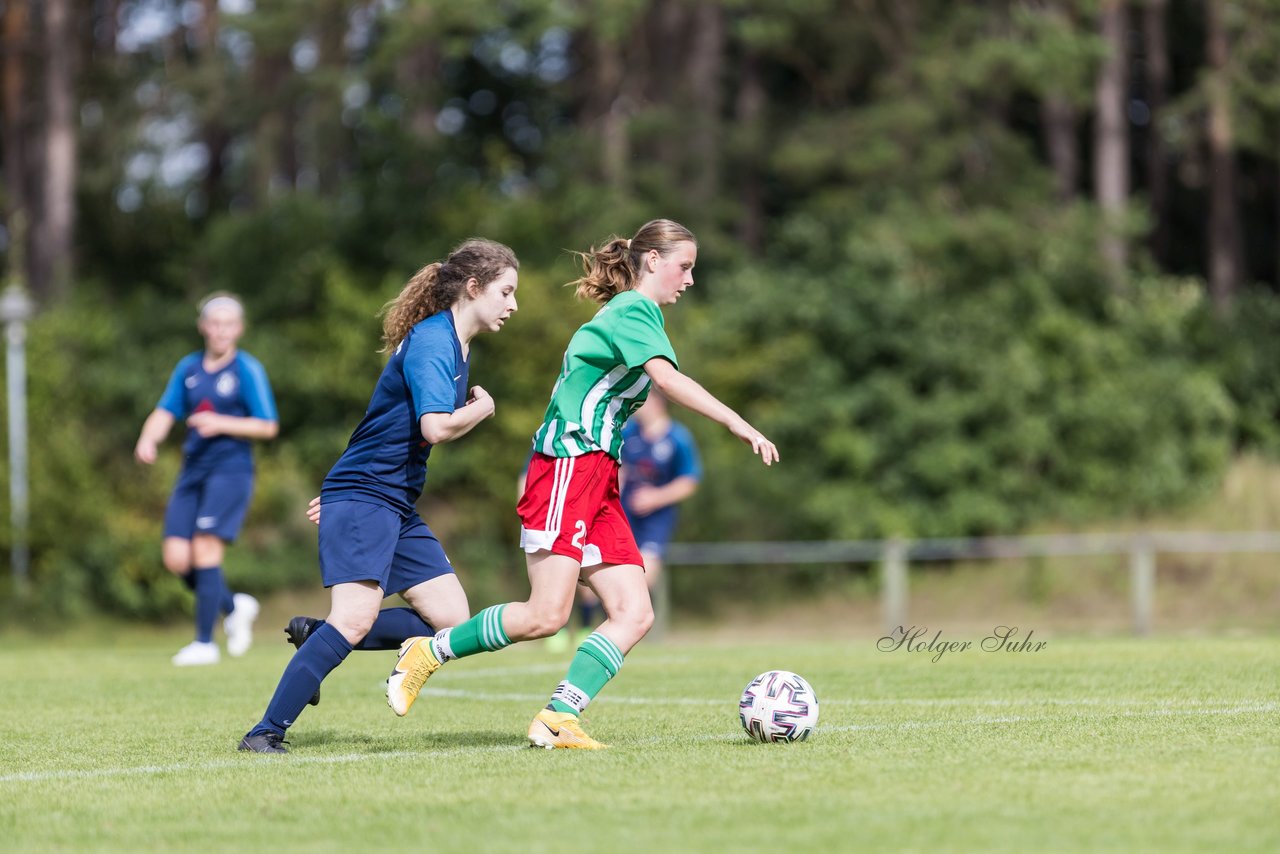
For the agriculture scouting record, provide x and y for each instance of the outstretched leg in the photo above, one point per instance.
(355, 605)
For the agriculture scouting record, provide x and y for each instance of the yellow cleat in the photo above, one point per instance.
(560, 729)
(416, 663)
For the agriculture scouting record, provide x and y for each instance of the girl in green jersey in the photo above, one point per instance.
(573, 528)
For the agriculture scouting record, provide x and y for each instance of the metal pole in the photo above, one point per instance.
(1142, 574)
(662, 603)
(15, 310)
(893, 585)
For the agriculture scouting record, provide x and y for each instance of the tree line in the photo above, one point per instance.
(978, 266)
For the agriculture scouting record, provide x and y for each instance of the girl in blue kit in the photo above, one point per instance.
(372, 541)
(225, 398)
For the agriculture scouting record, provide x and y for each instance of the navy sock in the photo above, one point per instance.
(324, 650)
(590, 614)
(392, 627)
(189, 579)
(226, 603)
(208, 587)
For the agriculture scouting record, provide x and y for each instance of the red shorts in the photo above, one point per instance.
(571, 507)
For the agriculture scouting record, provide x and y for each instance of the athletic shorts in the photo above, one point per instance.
(360, 541)
(654, 532)
(571, 507)
(208, 503)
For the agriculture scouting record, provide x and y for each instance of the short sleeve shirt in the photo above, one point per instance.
(386, 458)
(602, 378)
(239, 388)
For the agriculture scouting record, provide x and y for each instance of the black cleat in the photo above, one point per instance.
(298, 630)
(267, 742)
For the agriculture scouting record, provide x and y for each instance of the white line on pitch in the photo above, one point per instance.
(626, 699)
(351, 758)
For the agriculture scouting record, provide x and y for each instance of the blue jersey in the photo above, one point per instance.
(239, 388)
(386, 459)
(657, 463)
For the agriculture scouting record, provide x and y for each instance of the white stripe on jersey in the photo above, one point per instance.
(611, 412)
(548, 446)
(598, 391)
(554, 433)
(571, 444)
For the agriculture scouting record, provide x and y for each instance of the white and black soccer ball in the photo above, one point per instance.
(778, 705)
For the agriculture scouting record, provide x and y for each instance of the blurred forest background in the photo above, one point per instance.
(976, 267)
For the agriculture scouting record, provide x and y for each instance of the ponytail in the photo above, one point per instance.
(615, 266)
(439, 285)
(607, 271)
(422, 296)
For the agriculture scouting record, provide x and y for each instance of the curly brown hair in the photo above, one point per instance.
(614, 266)
(439, 285)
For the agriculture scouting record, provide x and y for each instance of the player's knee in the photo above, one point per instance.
(176, 557)
(632, 622)
(353, 625)
(548, 620)
(640, 620)
(207, 550)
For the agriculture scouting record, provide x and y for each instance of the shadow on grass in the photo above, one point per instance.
(418, 741)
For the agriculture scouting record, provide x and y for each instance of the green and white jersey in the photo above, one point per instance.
(602, 380)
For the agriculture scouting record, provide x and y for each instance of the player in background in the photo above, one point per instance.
(225, 397)
(372, 541)
(572, 522)
(660, 469)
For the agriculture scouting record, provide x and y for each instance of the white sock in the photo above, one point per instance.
(440, 646)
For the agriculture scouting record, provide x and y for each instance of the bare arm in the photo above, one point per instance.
(438, 427)
(689, 394)
(154, 431)
(209, 424)
(649, 499)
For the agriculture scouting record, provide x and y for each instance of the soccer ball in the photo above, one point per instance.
(778, 705)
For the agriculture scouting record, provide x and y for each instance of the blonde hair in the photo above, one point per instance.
(217, 300)
(615, 266)
(439, 285)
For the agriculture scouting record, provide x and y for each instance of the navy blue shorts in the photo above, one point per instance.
(360, 541)
(654, 532)
(208, 503)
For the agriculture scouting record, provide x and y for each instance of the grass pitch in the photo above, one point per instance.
(1122, 745)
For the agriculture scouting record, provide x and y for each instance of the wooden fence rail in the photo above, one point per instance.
(895, 557)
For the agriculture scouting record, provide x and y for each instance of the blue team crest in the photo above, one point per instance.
(227, 385)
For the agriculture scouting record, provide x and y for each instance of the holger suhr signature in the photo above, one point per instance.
(916, 639)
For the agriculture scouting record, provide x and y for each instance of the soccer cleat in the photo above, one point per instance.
(197, 653)
(416, 663)
(560, 729)
(266, 742)
(298, 630)
(239, 624)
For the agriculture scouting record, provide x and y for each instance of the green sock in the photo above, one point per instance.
(482, 633)
(597, 661)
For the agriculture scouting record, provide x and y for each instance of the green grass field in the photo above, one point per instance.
(1122, 745)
